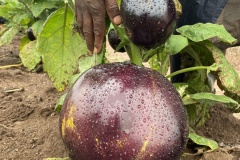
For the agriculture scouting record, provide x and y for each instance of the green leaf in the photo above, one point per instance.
(228, 78)
(30, 57)
(86, 62)
(22, 19)
(37, 27)
(7, 37)
(60, 102)
(187, 100)
(181, 88)
(197, 82)
(3, 30)
(200, 32)
(60, 48)
(154, 64)
(73, 79)
(12, 2)
(40, 5)
(158, 59)
(10, 9)
(176, 43)
(23, 42)
(164, 61)
(202, 140)
(15, 12)
(213, 97)
(214, 67)
(192, 113)
(4, 10)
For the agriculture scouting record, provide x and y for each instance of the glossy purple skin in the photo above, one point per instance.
(122, 111)
(148, 23)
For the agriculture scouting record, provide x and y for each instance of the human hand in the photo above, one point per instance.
(90, 17)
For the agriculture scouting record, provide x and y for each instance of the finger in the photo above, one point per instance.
(113, 11)
(99, 33)
(97, 10)
(88, 31)
(79, 18)
(79, 21)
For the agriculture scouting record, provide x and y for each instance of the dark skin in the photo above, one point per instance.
(90, 17)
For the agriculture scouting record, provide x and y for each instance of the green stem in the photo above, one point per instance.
(134, 52)
(136, 55)
(187, 70)
(128, 50)
(150, 53)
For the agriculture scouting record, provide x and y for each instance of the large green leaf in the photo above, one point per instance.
(30, 57)
(60, 48)
(200, 32)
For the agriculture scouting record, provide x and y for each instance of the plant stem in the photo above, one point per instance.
(136, 55)
(187, 70)
(9, 66)
(133, 51)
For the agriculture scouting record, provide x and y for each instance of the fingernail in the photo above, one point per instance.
(90, 53)
(117, 20)
(95, 51)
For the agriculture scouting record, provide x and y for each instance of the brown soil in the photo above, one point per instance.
(29, 125)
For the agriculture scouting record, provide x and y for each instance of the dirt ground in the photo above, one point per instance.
(29, 125)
